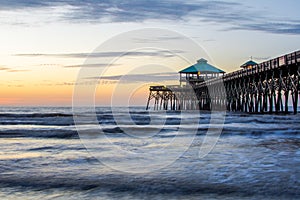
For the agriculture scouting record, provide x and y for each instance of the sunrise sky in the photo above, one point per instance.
(44, 44)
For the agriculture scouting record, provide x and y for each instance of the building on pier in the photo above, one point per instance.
(199, 72)
(249, 64)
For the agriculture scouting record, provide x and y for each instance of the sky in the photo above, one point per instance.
(46, 45)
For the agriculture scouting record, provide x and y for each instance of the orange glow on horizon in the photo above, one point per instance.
(39, 95)
(32, 95)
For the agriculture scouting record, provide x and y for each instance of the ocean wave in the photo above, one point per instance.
(163, 132)
(63, 134)
(37, 122)
(59, 122)
(34, 115)
(165, 184)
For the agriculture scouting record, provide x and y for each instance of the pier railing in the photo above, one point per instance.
(267, 66)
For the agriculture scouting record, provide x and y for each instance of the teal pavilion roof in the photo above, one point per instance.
(201, 66)
(248, 63)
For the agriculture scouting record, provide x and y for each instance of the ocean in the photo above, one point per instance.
(140, 154)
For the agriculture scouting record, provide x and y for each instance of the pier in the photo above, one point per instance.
(267, 87)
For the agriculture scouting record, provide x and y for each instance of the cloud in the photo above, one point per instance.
(17, 70)
(4, 68)
(7, 69)
(19, 4)
(233, 15)
(91, 65)
(162, 53)
(96, 65)
(272, 27)
(117, 11)
(137, 78)
(157, 39)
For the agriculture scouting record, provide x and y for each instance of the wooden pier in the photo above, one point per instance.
(267, 87)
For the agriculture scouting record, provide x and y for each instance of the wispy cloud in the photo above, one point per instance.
(287, 27)
(18, 70)
(161, 53)
(90, 65)
(138, 78)
(234, 15)
(94, 65)
(7, 69)
(4, 68)
(127, 78)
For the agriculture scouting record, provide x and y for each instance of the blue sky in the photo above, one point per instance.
(44, 43)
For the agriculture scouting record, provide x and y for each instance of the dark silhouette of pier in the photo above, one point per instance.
(267, 87)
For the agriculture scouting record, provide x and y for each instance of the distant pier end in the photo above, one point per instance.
(257, 88)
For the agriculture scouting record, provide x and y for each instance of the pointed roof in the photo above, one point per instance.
(201, 66)
(248, 63)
